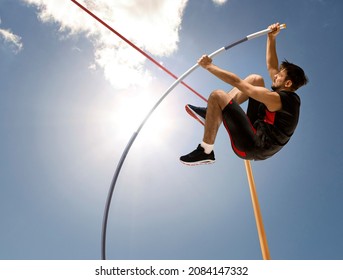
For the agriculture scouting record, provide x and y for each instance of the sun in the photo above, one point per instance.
(129, 112)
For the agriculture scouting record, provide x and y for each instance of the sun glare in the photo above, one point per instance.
(130, 112)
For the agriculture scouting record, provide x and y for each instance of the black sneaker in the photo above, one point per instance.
(199, 113)
(198, 157)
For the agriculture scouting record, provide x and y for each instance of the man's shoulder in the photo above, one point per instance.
(292, 95)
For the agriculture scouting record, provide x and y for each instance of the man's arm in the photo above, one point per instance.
(269, 98)
(271, 55)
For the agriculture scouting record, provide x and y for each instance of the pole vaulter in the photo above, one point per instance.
(254, 197)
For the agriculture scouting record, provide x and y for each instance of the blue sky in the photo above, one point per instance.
(66, 116)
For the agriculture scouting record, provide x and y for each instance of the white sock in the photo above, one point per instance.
(207, 147)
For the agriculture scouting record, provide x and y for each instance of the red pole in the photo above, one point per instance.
(137, 48)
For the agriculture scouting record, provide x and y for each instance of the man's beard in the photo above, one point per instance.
(275, 88)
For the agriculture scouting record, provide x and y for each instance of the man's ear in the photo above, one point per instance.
(288, 84)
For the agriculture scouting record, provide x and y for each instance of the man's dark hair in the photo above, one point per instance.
(295, 74)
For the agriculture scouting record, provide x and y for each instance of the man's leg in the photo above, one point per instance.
(214, 116)
(199, 113)
(204, 154)
(217, 101)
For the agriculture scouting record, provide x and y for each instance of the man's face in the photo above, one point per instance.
(280, 81)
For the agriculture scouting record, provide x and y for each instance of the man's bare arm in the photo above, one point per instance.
(271, 55)
(270, 99)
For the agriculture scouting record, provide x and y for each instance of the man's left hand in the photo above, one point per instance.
(205, 61)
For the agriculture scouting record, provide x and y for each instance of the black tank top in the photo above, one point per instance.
(280, 125)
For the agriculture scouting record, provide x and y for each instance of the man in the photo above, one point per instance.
(271, 117)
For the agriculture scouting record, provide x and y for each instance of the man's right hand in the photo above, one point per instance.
(274, 29)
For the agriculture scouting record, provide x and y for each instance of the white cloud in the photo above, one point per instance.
(153, 25)
(219, 2)
(10, 39)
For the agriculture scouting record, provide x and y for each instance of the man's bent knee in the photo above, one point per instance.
(220, 97)
(255, 80)
(217, 93)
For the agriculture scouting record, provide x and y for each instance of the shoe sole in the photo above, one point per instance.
(202, 162)
(194, 115)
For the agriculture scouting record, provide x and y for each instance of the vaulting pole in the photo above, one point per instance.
(257, 212)
(258, 216)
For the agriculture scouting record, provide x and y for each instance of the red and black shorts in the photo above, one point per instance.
(248, 135)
